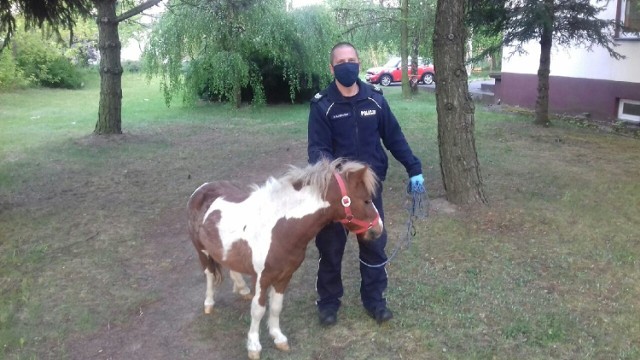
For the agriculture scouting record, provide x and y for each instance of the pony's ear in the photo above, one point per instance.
(368, 177)
(359, 174)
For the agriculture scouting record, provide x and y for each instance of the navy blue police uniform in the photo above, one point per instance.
(355, 128)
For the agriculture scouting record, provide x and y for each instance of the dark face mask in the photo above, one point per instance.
(346, 73)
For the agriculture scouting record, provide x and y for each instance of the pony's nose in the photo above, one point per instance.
(373, 233)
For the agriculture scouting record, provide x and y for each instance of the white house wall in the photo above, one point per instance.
(580, 63)
(580, 81)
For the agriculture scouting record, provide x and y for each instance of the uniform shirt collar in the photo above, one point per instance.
(335, 95)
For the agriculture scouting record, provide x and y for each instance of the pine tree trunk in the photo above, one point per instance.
(544, 69)
(458, 158)
(109, 110)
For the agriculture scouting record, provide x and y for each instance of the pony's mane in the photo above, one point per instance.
(320, 174)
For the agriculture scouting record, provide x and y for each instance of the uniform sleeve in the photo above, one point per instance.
(320, 143)
(394, 140)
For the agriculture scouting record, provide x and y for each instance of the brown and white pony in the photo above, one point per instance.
(264, 232)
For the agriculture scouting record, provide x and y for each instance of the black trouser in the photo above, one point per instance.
(331, 242)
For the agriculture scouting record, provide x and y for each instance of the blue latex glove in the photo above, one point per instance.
(417, 184)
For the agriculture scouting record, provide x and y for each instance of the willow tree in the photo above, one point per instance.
(217, 48)
(456, 123)
(372, 26)
(422, 21)
(417, 21)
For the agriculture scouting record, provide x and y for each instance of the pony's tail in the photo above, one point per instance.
(203, 195)
(215, 268)
(209, 263)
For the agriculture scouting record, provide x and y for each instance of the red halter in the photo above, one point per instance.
(349, 219)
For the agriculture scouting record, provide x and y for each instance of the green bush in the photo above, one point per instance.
(62, 74)
(11, 76)
(42, 62)
(131, 66)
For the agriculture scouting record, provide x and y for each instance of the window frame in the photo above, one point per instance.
(620, 17)
(627, 117)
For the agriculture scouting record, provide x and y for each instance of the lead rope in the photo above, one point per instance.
(418, 208)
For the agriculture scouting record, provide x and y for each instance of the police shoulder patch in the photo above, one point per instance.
(317, 97)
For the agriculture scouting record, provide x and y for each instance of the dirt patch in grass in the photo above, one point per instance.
(159, 329)
(166, 326)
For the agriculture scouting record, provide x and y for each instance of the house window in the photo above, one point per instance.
(629, 110)
(630, 17)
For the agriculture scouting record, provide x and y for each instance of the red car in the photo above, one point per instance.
(392, 72)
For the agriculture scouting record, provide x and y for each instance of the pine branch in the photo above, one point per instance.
(137, 10)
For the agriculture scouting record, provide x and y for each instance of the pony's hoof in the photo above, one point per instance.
(283, 346)
(208, 309)
(254, 355)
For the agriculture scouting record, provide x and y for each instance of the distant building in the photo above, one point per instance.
(581, 81)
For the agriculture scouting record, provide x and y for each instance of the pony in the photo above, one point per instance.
(264, 232)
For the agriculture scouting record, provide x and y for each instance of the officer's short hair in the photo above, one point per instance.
(339, 45)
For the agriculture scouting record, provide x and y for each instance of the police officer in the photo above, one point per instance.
(351, 119)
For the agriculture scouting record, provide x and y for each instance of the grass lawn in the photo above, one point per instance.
(549, 269)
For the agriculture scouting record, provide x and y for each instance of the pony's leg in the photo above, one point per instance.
(239, 285)
(275, 307)
(253, 339)
(208, 300)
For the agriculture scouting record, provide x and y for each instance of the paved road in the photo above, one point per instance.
(475, 88)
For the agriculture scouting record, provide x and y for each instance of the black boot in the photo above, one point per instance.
(328, 317)
(381, 315)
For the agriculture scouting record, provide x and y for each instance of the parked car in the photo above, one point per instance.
(392, 72)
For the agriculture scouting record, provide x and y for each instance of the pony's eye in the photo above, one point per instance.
(367, 202)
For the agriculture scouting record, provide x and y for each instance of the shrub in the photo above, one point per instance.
(82, 53)
(11, 76)
(131, 66)
(43, 63)
(62, 74)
